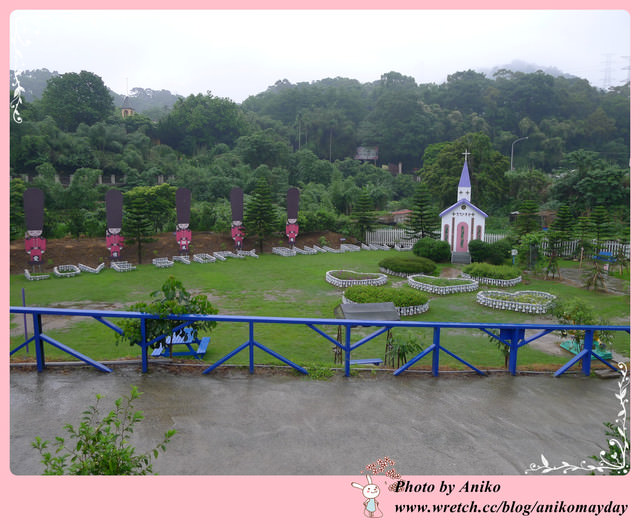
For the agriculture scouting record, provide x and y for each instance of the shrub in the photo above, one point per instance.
(408, 264)
(101, 445)
(436, 250)
(484, 270)
(400, 296)
(495, 253)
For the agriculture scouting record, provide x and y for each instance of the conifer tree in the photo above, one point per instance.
(423, 220)
(363, 214)
(563, 223)
(260, 214)
(528, 220)
(137, 227)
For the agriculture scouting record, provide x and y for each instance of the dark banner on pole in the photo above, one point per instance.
(183, 205)
(33, 199)
(113, 201)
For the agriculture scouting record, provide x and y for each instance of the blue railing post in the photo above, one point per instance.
(588, 352)
(347, 350)
(516, 336)
(435, 355)
(144, 353)
(37, 331)
(251, 343)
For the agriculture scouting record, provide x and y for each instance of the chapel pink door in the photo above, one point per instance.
(462, 237)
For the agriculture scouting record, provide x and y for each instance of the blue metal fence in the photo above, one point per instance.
(513, 335)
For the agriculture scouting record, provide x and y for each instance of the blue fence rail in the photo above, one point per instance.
(513, 335)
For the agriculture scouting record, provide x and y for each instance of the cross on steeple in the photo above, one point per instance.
(466, 154)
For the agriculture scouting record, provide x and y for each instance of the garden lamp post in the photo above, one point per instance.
(513, 144)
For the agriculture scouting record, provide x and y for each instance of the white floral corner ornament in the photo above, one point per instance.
(16, 101)
(615, 459)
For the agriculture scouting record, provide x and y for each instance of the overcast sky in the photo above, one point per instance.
(236, 54)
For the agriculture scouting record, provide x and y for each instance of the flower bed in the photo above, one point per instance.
(495, 281)
(536, 302)
(406, 301)
(346, 278)
(442, 286)
(492, 275)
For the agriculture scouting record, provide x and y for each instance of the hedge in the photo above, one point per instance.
(483, 270)
(433, 249)
(400, 296)
(407, 265)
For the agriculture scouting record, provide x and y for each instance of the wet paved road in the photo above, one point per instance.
(231, 422)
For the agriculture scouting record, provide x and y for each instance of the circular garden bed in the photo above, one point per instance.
(536, 302)
(346, 278)
(442, 286)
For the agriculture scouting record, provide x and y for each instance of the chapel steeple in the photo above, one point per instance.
(464, 186)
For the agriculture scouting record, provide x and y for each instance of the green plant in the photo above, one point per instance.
(322, 241)
(100, 446)
(408, 264)
(617, 452)
(577, 312)
(400, 296)
(400, 348)
(436, 250)
(595, 277)
(484, 270)
(318, 372)
(171, 299)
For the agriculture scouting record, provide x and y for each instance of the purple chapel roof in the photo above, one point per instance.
(459, 203)
(465, 181)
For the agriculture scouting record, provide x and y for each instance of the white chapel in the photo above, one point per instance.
(462, 221)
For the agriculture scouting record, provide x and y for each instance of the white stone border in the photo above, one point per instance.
(379, 281)
(442, 290)
(66, 270)
(494, 281)
(484, 299)
(29, 276)
(402, 311)
(89, 269)
(122, 265)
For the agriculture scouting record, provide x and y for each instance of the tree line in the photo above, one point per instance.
(305, 135)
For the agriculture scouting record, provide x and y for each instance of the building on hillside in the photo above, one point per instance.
(126, 108)
(462, 221)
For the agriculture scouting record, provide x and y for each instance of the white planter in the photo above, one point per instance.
(494, 281)
(442, 290)
(485, 298)
(378, 281)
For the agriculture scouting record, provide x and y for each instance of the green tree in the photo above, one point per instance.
(363, 215)
(16, 207)
(199, 122)
(171, 299)
(528, 220)
(423, 219)
(77, 98)
(260, 215)
(137, 226)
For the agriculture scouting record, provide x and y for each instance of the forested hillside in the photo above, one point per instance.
(576, 150)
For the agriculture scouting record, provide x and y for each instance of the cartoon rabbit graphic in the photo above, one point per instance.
(370, 492)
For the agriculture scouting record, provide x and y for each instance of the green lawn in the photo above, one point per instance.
(286, 287)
